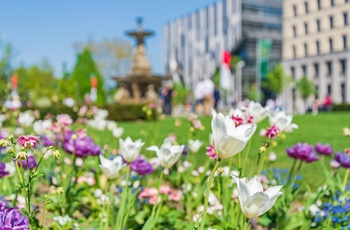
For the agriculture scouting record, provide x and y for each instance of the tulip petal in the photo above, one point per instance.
(252, 207)
(268, 205)
(255, 185)
(229, 146)
(243, 190)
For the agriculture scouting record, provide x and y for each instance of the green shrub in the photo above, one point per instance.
(341, 107)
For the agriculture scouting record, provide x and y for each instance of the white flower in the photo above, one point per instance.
(26, 118)
(118, 132)
(194, 145)
(10, 167)
(98, 124)
(168, 154)
(258, 112)
(254, 201)
(62, 220)
(41, 126)
(101, 114)
(282, 121)
(111, 125)
(229, 140)
(111, 167)
(129, 149)
(2, 119)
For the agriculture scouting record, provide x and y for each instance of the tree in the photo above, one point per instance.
(276, 80)
(111, 55)
(35, 82)
(84, 69)
(6, 54)
(305, 88)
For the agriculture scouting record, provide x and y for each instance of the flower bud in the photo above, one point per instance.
(56, 154)
(4, 143)
(22, 155)
(262, 149)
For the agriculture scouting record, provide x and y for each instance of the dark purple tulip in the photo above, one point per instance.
(343, 160)
(3, 170)
(81, 147)
(31, 161)
(303, 152)
(12, 219)
(323, 149)
(47, 141)
(141, 166)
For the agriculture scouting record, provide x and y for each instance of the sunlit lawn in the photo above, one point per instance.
(324, 128)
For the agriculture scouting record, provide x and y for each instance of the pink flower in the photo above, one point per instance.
(81, 133)
(164, 189)
(197, 124)
(272, 132)
(55, 128)
(211, 152)
(172, 137)
(64, 119)
(249, 118)
(29, 141)
(237, 119)
(175, 195)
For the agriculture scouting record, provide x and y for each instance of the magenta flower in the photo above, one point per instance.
(211, 152)
(81, 147)
(237, 119)
(3, 170)
(272, 132)
(323, 149)
(141, 166)
(302, 151)
(31, 163)
(342, 159)
(29, 141)
(64, 119)
(12, 218)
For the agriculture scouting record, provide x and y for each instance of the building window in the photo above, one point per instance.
(306, 7)
(343, 66)
(329, 68)
(319, 4)
(294, 52)
(292, 72)
(294, 31)
(306, 28)
(345, 15)
(345, 42)
(342, 92)
(316, 70)
(318, 47)
(331, 24)
(332, 3)
(318, 22)
(331, 45)
(295, 11)
(329, 89)
(303, 67)
(305, 49)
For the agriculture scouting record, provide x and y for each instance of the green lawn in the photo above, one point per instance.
(324, 128)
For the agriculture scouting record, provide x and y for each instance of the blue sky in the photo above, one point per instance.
(48, 29)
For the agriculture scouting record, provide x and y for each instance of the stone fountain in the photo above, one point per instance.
(140, 85)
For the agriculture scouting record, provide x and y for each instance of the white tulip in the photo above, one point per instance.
(254, 201)
(111, 125)
(258, 112)
(41, 126)
(168, 154)
(194, 145)
(229, 140)
(26, 118)
(129, 149)
(118, 132)
(110, 168)
(282, 121)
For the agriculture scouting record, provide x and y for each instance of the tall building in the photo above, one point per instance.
(196, 41)
(316, 44)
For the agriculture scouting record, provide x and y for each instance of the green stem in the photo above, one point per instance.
(124, 196)
(345, 180)
(291, 171)
(246, 154)
(211, 178)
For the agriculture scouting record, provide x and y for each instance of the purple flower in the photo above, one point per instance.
(2, 170)
(303, 152)
(48, 142)
(11, 218)
(80, 146)
(343, 159)
(141, 166)
(323, 149)
(31, 161)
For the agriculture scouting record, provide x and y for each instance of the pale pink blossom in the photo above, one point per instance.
(64, 119)
(175, 195)
(272, 132)
(164, 189)
(28, 141)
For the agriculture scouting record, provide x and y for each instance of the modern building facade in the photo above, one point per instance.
(316, 37)
(196, 41)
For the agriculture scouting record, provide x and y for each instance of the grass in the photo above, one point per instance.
(324, 128)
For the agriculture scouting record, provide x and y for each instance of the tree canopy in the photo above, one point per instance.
(276, 80)
(305, 87)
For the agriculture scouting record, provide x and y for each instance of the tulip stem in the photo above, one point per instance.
(153, 214)
(124, 196)
(345, 180)
(211, 178)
